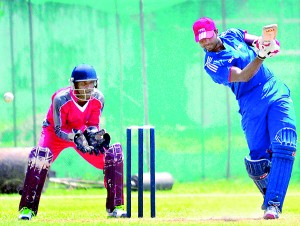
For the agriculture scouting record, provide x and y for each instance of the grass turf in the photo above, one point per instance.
(224, 202)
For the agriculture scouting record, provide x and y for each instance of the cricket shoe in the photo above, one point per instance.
(26, 214)
(272, 211)
(118, 212)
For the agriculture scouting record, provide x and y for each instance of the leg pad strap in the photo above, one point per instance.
(258, 171)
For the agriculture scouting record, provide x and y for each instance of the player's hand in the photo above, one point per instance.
(273, 48)
(262, 54)
(258, 44)
(269, 50)
(98, 139)
(81, 142)
(259, 47)
(103, 143)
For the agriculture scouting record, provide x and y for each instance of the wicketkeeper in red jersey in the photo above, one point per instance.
(73, 120)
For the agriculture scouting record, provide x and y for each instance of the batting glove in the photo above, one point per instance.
(259, 44)
(261, 54)
(269, 50)
(273, 48)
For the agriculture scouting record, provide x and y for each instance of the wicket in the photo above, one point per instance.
(140, 130)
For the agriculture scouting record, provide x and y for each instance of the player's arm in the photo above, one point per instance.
(239, 75)
(244, 75)
(59, 119)
(251, 39)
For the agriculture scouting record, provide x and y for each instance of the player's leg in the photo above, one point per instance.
(39, 162)
(113, 168)
(38, 166)
(255, 128)
(258, 171)
(283, 152)
(280, 130)
(113, 176)
(112, 164)
(284, 140)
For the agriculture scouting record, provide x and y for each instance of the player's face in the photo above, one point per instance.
(210, 44)
(84, 89)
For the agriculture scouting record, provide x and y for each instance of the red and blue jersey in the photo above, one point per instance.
(65, 114)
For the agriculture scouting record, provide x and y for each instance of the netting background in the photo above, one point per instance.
(198, 133)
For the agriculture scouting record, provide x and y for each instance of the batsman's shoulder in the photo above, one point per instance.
(232, 33)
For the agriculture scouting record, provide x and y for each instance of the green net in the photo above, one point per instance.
(150, 72)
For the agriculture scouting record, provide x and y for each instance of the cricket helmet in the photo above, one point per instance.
(81, 73)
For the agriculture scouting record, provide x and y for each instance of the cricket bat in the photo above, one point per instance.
(269, 32)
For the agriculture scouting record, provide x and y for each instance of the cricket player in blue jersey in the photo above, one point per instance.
(235, 58)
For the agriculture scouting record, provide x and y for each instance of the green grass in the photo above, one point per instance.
(206, 203)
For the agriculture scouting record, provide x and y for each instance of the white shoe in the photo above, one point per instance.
(118, 212)
(26, 214)
(272, 212)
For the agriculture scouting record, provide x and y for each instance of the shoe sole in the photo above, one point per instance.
(124, 215)
(270, 217)
(24, 218)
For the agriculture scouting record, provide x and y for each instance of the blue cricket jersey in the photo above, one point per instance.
(237, 53)
(264, 101)
(268, 115)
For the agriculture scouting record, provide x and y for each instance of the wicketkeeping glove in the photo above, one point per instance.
(98, 139)
(81, 142)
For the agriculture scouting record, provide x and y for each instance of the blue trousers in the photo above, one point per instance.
(266, 110)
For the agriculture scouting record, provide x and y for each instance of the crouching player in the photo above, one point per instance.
(73, 120)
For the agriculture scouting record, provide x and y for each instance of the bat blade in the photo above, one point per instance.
(269, 32)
